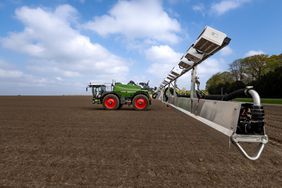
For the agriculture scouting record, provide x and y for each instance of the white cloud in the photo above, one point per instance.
(10, 73)
(226, 51)
(163, 59)
(199, 8)
(224, 6)
(139, 19)
(55, 46)
(5, 65)
(208, 68)
(19, 78)
(254, 52)
(59, 78)
(15, 81)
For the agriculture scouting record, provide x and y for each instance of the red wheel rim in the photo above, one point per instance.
(110, 103)
(140, 103)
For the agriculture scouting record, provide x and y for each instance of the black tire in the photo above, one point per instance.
(140, 102)
(111, 102)
(120, 106)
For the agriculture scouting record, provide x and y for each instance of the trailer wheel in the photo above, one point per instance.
(140, 102)
(111, 102)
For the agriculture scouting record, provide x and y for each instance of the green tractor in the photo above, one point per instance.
(120, 94)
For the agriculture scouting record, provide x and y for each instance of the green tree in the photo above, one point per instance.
(273, 62)
(183, 91)
(255, 66)
(237, 70)
(219, 80)
(270, 84)
(261, 71)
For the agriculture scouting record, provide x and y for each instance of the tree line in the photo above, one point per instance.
(264, 72)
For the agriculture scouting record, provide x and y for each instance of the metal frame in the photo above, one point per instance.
(221, 115)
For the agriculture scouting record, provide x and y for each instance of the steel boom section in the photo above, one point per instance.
(241, 122)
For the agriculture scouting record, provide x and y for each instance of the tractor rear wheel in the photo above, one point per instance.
(111, 102)
(120, 106)
(140, 102)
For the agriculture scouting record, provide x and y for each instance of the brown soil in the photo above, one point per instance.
(59, 141)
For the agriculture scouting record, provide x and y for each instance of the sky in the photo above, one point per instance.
(57, 47)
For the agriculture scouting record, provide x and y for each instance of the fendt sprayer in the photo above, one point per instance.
(117, 94)
(242, 122)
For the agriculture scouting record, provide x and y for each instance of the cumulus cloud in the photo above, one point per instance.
(163, 59)
(199, 8)
(14, 80)
(55, 46)
(10, 73)
(19, 78)
(254, 52)
(224, 6)
(226, 51)
(140, 19)
(210, 67)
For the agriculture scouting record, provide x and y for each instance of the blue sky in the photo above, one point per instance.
(57, 47)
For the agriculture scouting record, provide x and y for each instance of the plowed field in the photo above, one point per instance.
(67, 141)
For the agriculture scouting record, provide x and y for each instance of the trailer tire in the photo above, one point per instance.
(140, 102)
(111, 102)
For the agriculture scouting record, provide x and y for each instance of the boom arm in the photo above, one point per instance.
(241, 122)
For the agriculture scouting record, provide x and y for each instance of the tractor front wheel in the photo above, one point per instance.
(111, 102)
(141, 102)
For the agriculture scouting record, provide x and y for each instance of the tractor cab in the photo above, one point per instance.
(97, 91)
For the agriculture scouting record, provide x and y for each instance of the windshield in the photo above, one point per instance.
(98, 91)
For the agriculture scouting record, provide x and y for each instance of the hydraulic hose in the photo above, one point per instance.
(166, 93)
(227, 97)
(233, 95)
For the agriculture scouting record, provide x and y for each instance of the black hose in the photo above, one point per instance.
(234, 94)
(213, 97)
(165, 93)
(154, 96)
(187, 96)
(227, 97)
